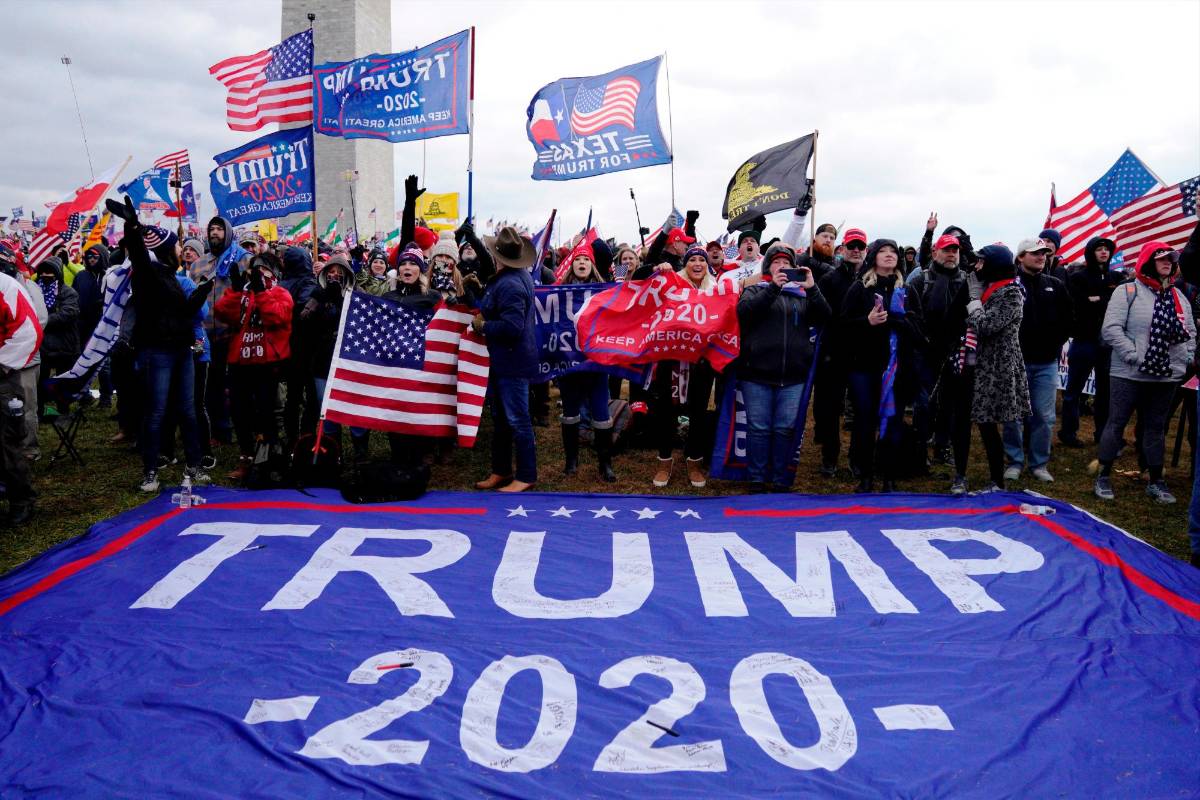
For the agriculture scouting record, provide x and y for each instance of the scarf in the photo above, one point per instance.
(116, 298)
(887, 394)
(231, 255)
(49, 292)
(1166, 328)
(968, 343)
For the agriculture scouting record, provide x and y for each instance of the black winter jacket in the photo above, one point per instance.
(1048, 317)
(89, 285)
(943, 305)
(867, 343)
(1094, 280)
(61, 331)
(775, 343)
(657, 253)
(833, 288)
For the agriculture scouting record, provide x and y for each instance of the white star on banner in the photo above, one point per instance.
(519, 511)
(602, 511)
(688, 513)
(646, 513)
(562, 511)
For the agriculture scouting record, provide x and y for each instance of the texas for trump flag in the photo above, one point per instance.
(402, 370)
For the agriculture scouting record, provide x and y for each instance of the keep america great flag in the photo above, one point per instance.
(403, 370)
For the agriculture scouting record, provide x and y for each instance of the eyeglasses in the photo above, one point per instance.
(855, 246)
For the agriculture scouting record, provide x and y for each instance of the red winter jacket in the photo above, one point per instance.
(263, 321)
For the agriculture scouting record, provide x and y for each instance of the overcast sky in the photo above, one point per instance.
(970, 109)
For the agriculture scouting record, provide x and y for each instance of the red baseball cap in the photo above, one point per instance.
(677, 235)
(854, 235)
(946, 240)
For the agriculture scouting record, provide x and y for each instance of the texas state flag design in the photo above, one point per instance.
(548, 114)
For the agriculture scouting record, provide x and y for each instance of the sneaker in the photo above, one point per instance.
(242, 470)
(696, 473)
(198, 475)
(149, 482)
(828, 470)
(1013, 472)
(662, 476)
(944, 457)
(208, 463)
(1158, 490)
(992, 486)
(1103, 488)
(1043, 474)
(959, 487)
(164, 461)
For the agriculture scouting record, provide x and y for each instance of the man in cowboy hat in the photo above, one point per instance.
(506, 322)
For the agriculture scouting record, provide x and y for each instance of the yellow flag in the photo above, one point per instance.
(441, 226)
(97, 232)
(268, 229)
(438, 206)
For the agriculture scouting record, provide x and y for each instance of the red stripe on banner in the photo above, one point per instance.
(1139, 579)
(117, 545)
(820, 512)
(305, 116)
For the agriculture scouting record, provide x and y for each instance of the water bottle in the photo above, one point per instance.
(183, 498)
(16, 407)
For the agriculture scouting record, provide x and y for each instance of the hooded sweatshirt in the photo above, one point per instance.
(1091, 288)
(217, 265)
(868, 344)
(89, 285)
(61, 335)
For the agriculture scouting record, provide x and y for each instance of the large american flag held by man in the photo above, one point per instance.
(404, 371)
(614, 103)
(1088, 214)
(273, 85)
(1167, 215)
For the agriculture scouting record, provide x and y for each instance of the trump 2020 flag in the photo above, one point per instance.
(399, 97)
(270, 177)
(580, 127)
(407, 371)
(768, 181)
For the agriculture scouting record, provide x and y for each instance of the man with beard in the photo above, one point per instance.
(819, 257)
(829, 383)
(225, 255)
(966, 250)
(942, 288)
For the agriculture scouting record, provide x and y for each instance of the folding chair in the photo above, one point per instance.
(67, 426)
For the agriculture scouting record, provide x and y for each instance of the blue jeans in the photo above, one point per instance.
(509, 400)
(1194, 508)
(1043, 389)
(590, 389)
(167, 373)
(770, 428)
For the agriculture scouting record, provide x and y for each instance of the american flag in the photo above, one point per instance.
(1167, 215)
(614, 103)
(406, 371)
(274, 85)
(1088, 214)
(45, 242)
(177, 159)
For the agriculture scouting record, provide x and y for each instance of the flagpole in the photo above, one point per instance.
(671, 122)
(813, 210)
(470, 135)
(337, 350)
(178, 203)
(315, 244)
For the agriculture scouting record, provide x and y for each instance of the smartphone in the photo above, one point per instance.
(798, 275)
(878, 301)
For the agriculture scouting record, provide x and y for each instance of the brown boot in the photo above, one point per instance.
(662, 476)
(120, 438)
(242, 470)
(493, 481)
(695, 473)
(516, 486)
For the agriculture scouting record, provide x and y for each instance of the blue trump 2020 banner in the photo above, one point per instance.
(270, 177)
(554, 311)
(279, 644)
(581, 127)
(400, 97)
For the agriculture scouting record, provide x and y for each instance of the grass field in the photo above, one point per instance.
(71, 498)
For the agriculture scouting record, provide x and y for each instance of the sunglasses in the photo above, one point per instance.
(855, 246)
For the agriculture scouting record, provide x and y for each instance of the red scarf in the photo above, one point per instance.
(993, 287)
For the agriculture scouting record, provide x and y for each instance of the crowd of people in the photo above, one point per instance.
(229, 339)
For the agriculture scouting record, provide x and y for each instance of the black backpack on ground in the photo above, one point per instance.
(384, 482)
(317, 463)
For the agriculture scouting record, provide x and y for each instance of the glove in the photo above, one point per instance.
(974, 287)
(471, 281)
(203, 288)
(256, 281)
(464, 231)
(123, 211)
(333, 291)
(692, 216)
(806, 202)
(759, 224)
(411, 192)
(237, 279)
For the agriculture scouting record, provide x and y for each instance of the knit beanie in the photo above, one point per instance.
(445, 247)
(412, 255)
